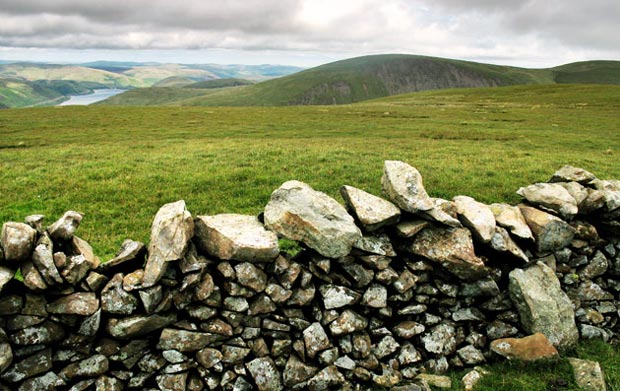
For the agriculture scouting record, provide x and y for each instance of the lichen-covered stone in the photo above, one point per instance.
(316, 339)
(130, 253)
(550, 233)
(453, 248)
(335, 296)
(372, 212)
(542, 305)
(90, 367)
(402, 184)
(238, 237)
(65, 227)
(265, 374)
(588, 374)
(30, 366)
(476, 216)
(137, 325)
(250, 276)
(441, 339)
(171, 231)
(17, 240)
(551, 197)
(569, 173)
(298, 212)
(511, 218)
(80, 303)
(502, 242)
(185, 341)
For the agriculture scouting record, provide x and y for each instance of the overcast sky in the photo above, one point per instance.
(532, 33)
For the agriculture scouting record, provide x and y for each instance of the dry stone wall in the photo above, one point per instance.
(382, 293)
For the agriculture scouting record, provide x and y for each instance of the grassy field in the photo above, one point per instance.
(119, 165)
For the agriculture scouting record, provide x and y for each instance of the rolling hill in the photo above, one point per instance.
(371, 77)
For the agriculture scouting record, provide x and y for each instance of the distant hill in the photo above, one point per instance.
(371, 77)
(220, 83)
(30, 84)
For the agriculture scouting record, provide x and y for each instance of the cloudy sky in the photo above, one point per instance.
(533, 33)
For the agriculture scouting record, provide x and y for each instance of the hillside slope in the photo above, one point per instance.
(371, 77)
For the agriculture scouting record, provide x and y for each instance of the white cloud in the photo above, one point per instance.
(532, 32)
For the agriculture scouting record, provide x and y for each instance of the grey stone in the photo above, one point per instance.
(298, 212)
(43, 259)
(511, 218)
(375, 296)
(90, 367)
(315, 339)
(137, 325)
(588, 374)
(441, 339)
(265, 374)
(65, 227)
(35, 364)
(569, 173)
(551, 197)
(82, 247)
(592, 332)
(468, 314)
(408, 329)
(129, 252)
(6, 353)
(443, 212)
(185, 341)
(498, 329)
(409, 228)
(378, 244)
(49, 382)
(296, 372)
(90, 325)
(477, 216)
(453, 248)
(36, 222)
(348, 322)
(44, 334)
(402, 184)
(76, 269)
(236, 304)
(17, 240)
(172, 382)
(208, 357)
(171, 232)
(371, 211)
(328, 378)
(335, 296)
(238, 237)
(597, 267)
(408, 355)
(115, 300)
(385, 347)
(502, 242)
(470, 355)
(250, 276)
(107, 383)
(550, 233)
(80, 303)
(590, 291)
(405, 281)
(6, 275)
(578, 192)
(234, 354)
(542, 305)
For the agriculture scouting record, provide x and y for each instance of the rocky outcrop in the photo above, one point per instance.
(367, 301)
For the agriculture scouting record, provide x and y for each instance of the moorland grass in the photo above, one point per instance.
(119, 165)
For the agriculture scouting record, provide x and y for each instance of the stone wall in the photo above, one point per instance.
(381, 293)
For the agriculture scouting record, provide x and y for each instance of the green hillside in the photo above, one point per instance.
(174, 81)
(371, 77)
(220, 83)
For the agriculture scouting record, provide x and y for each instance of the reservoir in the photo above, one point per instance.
(96, 96)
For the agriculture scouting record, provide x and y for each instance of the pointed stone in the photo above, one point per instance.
(316, 339)
(129, 252)
(378, 244)
(335, 296)
(569, 173)
(298, 212)
(17, 240)
(297, 372)
(453, 248)
(543, 306)
(477, 217)
(502, 242)
(238, 237)
(371, 211)
(409, 228)
(43, 259)
(82, 247)
(402, 184)
(35, 364)
(511, 218)
(171, 231)
(265, 374)
(551, 197)
(550, 233)
(76, 268)
(65, 227)
(135, 326)
(443, 212)
(32, 278)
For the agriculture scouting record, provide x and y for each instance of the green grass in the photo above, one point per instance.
(118, 165)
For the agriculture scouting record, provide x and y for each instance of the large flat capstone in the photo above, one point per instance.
(235, 236)
(542, 305)
(298, 212)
